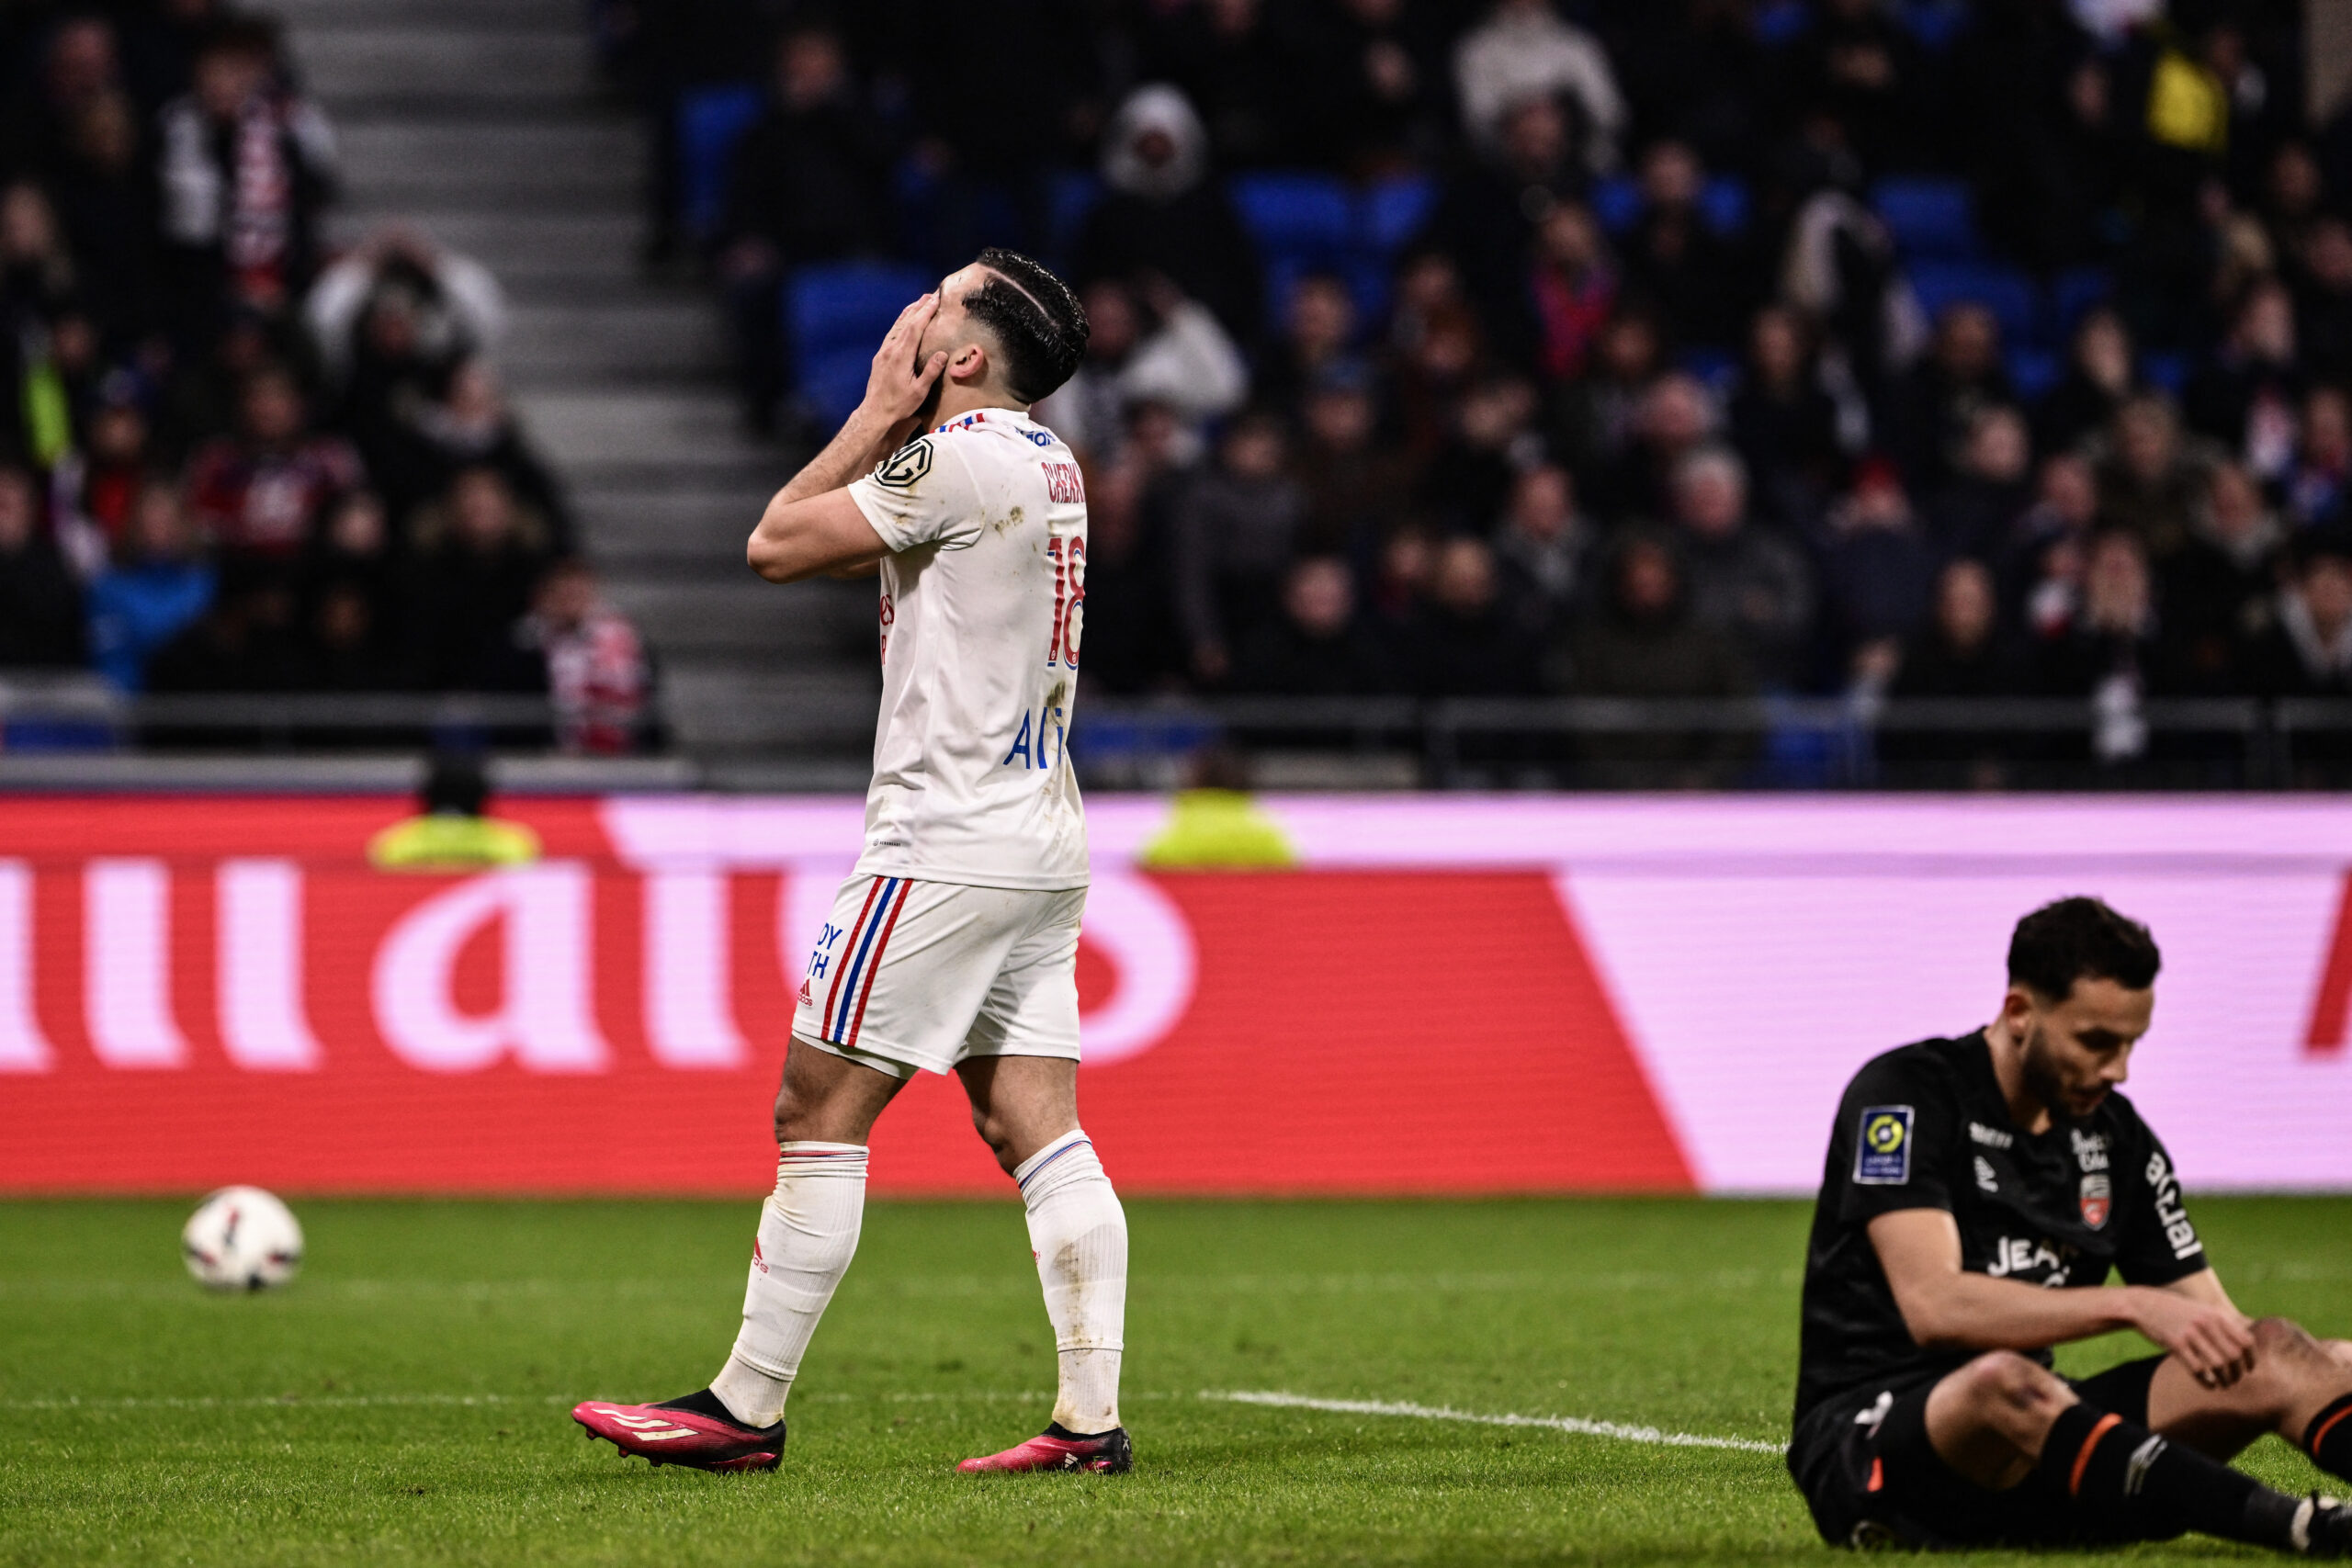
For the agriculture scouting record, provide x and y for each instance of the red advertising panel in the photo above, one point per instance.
(1447, 995)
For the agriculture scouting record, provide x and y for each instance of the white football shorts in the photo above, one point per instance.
(908, 975)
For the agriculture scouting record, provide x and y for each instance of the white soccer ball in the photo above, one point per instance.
(242, 1238)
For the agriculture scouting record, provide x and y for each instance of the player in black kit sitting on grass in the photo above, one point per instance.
(1977, 1193)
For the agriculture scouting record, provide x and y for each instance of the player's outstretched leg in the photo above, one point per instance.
(808, 1230)
(2004, 1422)
(2299, 1387)
(1078, 1233)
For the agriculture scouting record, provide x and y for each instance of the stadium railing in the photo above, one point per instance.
(1771, 741)
(70, 714)
(1774, 741)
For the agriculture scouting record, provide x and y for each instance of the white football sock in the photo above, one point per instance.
(1079, 1234)
(808, 1235)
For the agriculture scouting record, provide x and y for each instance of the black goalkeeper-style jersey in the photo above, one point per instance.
(1926, 1127)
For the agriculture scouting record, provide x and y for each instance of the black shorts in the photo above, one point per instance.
(1868, 1472)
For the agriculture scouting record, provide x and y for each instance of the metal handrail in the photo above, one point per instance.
(2257, 742)
(1719, 715)
(81, 703)
(1855, 740)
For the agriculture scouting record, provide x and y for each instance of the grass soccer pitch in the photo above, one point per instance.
(406, 1399)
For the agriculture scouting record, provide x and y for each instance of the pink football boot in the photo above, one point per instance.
(1107, 1453)
(697, 1431)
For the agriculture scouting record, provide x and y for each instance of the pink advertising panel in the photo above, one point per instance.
(1568, 993)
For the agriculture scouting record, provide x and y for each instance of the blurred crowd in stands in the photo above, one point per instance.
(231, 460)
(1624, 347)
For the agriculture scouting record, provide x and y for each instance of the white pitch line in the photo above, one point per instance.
(279, 1402)
(366, 1401)
(1576, 1424)
(1572, 1424)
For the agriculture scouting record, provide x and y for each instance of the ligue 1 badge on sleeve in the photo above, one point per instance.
(901, 468)
(2099, 1200)
(1883, 1159)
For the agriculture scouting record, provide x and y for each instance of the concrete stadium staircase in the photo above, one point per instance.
(483, 123)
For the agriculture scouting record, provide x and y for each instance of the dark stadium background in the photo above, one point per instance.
(1780, 394)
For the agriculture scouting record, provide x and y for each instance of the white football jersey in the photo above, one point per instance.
(983, 604)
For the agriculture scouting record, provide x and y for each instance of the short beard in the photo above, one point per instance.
(2040, 1081)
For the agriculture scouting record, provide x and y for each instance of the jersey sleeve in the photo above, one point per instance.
(1897, 1129)
(2159, 1243)
(923, 494)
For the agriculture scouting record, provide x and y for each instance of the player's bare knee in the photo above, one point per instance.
(787, 1116)
(1992, 1415)
(2289, 1361)
(2022, 1399)
(2005, 1385)
(997, 1132)
(2283, 1338)
(796, 1113)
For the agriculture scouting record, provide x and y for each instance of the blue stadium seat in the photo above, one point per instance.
(1070, 196)
(1936, 24)
(848, 304)
(1137, 739)
(2007, 291)
(833, 382)
(1306, 218)
(1799, 755)
(1931, 217)
(1278, 281)
(835, 315)
(1782, 22)
(1391, 212)
(1717, 367)
(711, 121)
(914, 208)
(1616, 203)
(2166, 372)
(2074, 293)
(943, 221)
(36, 733)
(2034, 371)
(1369, 280)
(1723, 203)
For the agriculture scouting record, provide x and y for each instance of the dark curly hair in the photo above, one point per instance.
(1039, 326)
(2081, 938)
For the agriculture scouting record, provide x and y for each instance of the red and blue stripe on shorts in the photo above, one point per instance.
(885, 896)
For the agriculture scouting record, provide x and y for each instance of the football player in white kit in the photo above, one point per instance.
(953, 946)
